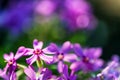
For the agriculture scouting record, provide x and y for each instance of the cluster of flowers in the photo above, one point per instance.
(77, 14)
(78, 59)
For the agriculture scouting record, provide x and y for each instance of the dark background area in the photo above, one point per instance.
(113, 25)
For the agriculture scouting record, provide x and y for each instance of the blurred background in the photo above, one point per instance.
(92, 23)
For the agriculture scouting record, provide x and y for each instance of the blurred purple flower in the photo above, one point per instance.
(111, 72)
(9, 70)
(45, 7)
(89, 59)
(41, 74)
(17, 17)
(62, 55)
(38, 53)
(78, 15)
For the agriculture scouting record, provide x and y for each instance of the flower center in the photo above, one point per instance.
(86, 59)
(11, 62)
(38, 51)
(60, 56)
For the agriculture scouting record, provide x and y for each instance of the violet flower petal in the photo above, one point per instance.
(47, 51)
(3, 75)
(99, 63)
(13, 76)
(46, 58)
(60, 78)
(28, 51)
(60, 66)
(30, 73)
(70, 58)
(6, 68)
(20, 52)
(97, 52)
(65, 71)
(73, 77)
(78, 50)
(66, 47)
(11, 55)
(75, 66)
(46, 74)
(53, 47)
(32, 59)
(8, 57)
(93, 52)
(37, 44)
(55, 58)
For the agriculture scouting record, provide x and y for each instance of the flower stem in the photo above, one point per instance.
(39, 63)
(21, 66)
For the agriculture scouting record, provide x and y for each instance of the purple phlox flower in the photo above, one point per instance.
(41, 74)
(62, 54)
(111, 72)
(11, 63)
(65, 74)
(38, 53)
(78, 15)
(45, 7)
(88, 59)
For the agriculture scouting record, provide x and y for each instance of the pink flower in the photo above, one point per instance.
(9, 71)
(38, 53)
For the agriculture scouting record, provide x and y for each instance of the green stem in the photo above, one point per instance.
(39, 63)
(19, 73)
(21, 66)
